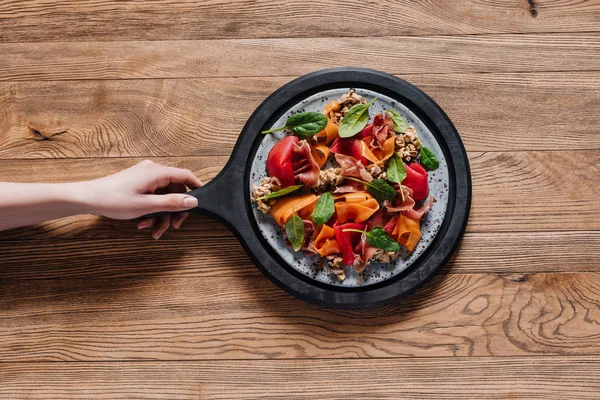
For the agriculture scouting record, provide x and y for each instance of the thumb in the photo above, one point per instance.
(172, 202)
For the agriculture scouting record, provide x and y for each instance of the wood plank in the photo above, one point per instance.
(122, 118)
(531, 191)
(498, 53)
(142, 118)
(212, 255)
(85, 169)
(527, 252)
(150, 20)
(543, 378)
(512, 191)
(219, 254)
(538, 111)
(187, 318)
(90, 227)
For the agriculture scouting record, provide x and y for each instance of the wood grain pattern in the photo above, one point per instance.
(543, 378)
(527, 252)
(84, 169)
(143, 118)
(103, 20)
(498, 53)
(512, 192)
(212, 251)
(88, 227)
(535, 191)
(93, 309)
(183, 318)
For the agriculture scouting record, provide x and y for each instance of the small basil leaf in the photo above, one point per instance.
(428, 159)
(304, 125)
(400, 124)
(324, 209)
(294, 230)
(280, 193)
(379, 238)
(307, 124)
(381, 190)
(355, 120)
(395, 171)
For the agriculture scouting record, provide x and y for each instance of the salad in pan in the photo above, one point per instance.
(347, 187)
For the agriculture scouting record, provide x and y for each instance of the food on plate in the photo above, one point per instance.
(346, 187)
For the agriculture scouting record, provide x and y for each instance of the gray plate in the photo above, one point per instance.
(375, 272)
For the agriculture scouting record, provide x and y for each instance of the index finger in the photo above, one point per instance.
(184, 176)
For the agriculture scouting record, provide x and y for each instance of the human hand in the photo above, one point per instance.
(145, 188)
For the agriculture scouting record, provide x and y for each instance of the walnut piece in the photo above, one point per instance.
(376, 171)
(268, 185)
(412, 150)
(347, 100)
(407, 144)
(400, 141)
(351, 98)
(329, 179)
(410, 136)
(358, 264)
(336, 266)
(383, 256)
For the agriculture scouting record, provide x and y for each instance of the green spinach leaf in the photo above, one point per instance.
(379, 188)
(400, 124)
(280, 193)
(324, 209)
(395, 172)
(304, 125)
(428, 159)
(294, 230)
(355, 120)
(379, 238)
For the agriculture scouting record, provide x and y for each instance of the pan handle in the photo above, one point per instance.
(222, 197)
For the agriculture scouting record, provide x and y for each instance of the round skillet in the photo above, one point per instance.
(227, 198)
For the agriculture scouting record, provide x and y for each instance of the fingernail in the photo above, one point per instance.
(146, 224)
(177, 225)
(156, 237)
(190, 202)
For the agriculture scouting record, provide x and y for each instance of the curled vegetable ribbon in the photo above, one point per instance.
(357, 207)
(283, 209)
(407, 231)
(325, 243)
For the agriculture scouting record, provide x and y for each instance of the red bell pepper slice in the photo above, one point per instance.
(391, 224)
(279, 161)
(348, 147)
(416, 179)
(347, 240)
(367, 132)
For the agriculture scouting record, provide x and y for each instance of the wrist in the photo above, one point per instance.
(78, 197)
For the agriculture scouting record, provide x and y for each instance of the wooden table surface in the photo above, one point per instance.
(92, 308)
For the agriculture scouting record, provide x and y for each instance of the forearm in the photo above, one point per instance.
(23, 204)
(126, 195)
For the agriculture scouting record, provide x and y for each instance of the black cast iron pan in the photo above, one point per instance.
(227, 197)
